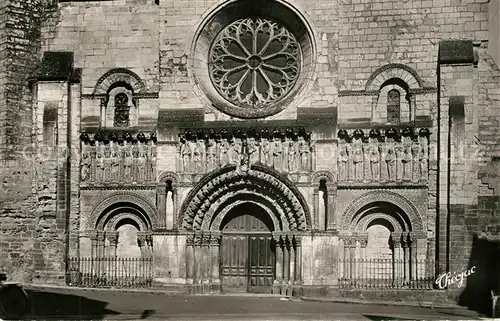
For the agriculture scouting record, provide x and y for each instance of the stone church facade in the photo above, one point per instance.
(255, 146)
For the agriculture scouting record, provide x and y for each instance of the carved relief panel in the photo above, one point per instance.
(383, 157)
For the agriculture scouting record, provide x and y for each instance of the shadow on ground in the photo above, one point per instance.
(383, 318)
(484, 257)
(57, 306)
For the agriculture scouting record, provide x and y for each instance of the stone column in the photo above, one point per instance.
(396, 246)
(206, 256)
(363, 242)
(406, 257)
(286, 259)
(412, 238)
(101, 238)
(316, 208)
(175, 196)
(214, 257)
(113, 243)
(331, 219)
(298, 259)
(141, 241)
(161, 204)
(94, 253)
(198, 258)
(190, 261)
(291, 245)
(279, 264)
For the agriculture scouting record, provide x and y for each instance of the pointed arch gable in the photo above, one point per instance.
(105, 203)
(119, 75)
(398, 71)
(260, 180)
(395, 199)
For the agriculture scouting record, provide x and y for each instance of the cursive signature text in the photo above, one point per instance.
(450, 278)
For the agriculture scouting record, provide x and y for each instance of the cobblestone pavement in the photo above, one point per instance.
(77, 304)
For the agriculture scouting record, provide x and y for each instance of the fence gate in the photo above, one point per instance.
(247, 259)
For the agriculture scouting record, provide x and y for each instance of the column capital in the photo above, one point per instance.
(349, 241)
(396, 238)
(112, 237)
(161, 190)
(198, 239)
(93, 236)
(206, 239)
(297, 239)
(190, 239)
(215, 239)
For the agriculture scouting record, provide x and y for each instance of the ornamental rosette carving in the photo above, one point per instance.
(254, 62)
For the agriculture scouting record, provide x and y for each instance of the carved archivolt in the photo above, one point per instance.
(382, 196)
(118, 75)
(403, 72)
(323, 175)
(168, 176)
(101, 209)
(203, 202)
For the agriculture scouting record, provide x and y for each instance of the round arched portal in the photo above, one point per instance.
(254, 219)
(247, 257)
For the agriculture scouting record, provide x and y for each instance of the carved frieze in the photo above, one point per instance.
(383, 157)
(109, 158)
(287, 151)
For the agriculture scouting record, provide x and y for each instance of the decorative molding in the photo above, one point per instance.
(119, 75)
(345, 93)
(410, 73)
(168, 176)
(377, 185)
(212, 187)
(118, 187)
(121, 197)
(384, 196)
(323, 174)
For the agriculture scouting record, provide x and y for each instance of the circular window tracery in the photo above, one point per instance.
(254, 62)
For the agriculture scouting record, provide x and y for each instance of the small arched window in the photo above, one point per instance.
(393, 106)
(122, 111)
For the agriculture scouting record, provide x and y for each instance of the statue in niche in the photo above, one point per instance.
(304, 150)
(198, 157)
(115, 165)
(236, 152)
(224, 152)
(292, 156)
(343, 160)
(390, 159)
(253, 148)
(152, 161)
(107, 163)
(186, 156)
(350, 165)
(383, 163)
(266, 150)
(367, 172)
(357, 160)
(277, 153)
(399, 162)
(85, 166)
(423, 158)
(374, 157)
(211, 154)
(415, 149)
(100, 166)
(141, 162)
(128, 162)
(135, 162)
(407, 160)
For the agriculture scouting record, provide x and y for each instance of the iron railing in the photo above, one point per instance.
(386, 273)
(110, 272)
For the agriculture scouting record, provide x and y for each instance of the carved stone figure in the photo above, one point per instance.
(100, 168)
(236, 152)
(343, 163)
(407, 162)
(292, 157)
(85, 167)
(415, 149)
(211, 154)
(141, 163)
(357, 160)
(198, 157)
(186, 156)
(374, 163)
(135, 163)
(152, 162)
(277, 154)
(399, 162)
(423, 158)
(115, 165)
(383, 163)
(128, 162)
(266, 149)
(304, 150)
(253, 148)
(350, 165)
(224, 152)
(390, 159)
(367, 172)
(107, 164)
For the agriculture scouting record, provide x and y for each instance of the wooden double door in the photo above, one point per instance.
(247, 256)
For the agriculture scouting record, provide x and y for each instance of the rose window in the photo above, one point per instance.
(254, 62)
